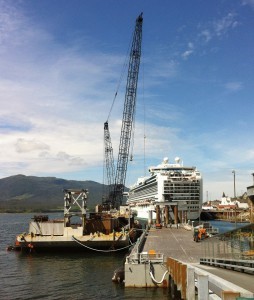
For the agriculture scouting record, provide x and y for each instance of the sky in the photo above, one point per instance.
(60, 67)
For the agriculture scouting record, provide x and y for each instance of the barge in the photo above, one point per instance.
(95, 231)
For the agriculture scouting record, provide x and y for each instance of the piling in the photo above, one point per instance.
(176, 214)
(166, 215)
(158, 215)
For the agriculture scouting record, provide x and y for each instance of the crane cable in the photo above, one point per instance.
(124, 67)
(133, 131)
(144, 107)
(121, 78)
(132, 139)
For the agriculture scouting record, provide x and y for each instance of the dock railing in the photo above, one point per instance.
(145, 257)
(195, 283)
(237, 245)
(241, 265)
(138, 256)
(140, 242)
(210, 230)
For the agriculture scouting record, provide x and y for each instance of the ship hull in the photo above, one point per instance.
(143, 213)
(54, 234)
(63, 243)
(98, 231)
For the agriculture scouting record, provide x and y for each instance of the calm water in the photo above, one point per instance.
(84, 275)
(226, 226)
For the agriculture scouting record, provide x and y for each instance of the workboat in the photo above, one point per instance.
(99, 231)
(172, 190)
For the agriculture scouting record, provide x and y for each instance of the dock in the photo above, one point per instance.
(169, 257)
(174, 242)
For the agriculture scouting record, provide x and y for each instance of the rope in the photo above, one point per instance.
(99, 250)
(151, 274)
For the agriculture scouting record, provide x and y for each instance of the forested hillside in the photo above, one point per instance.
(30, 193)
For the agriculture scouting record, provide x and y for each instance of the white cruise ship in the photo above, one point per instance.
(170, 185)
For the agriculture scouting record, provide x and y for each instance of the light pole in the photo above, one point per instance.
(234, 183)
(234, 196)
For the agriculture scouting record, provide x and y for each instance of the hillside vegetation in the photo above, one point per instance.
(22, 193)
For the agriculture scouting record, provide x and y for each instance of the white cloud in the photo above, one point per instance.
(223, 25)
(209, 31)
(217, 28)
(234, 86)
(71, 159)
(54, 100)
(206, 34)
(189, 51)
(161, 70)
(248, 2)
(23, 145)
(10, 20)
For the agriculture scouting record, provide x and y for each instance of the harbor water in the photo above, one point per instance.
(82, 275)
(226, 226)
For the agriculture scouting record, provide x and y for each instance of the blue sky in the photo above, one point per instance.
(60, 64)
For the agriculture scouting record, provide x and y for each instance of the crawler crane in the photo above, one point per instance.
(115, 196)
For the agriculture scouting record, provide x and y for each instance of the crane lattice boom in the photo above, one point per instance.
(128, 113)
(108, 162)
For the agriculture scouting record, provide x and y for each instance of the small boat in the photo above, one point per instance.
(102, 231)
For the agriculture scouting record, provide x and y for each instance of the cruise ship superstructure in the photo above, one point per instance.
(174, 189)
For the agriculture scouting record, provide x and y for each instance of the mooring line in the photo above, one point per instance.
(99, 250)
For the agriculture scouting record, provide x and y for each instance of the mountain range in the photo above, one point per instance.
(20, 193)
